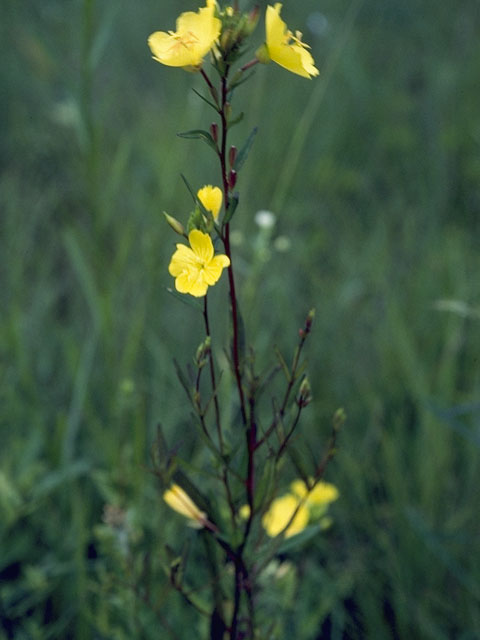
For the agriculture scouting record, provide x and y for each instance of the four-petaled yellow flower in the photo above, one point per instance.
(279, 514)
(287, 49)
(196, 268)
(187, 46)
(179, 501)
(211, 198)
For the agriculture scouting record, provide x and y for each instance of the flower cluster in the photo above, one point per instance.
(220, 32)
(211, 30)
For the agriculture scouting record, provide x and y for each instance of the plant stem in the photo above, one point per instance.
(226, 242)
(213, 377)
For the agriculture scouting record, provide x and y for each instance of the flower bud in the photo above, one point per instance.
(203, 352)
(232, 155)
(339, 418)
(175, 224)
(304, 393)
(251, 21)
(214, 131)
(309, 320)
(232, 179)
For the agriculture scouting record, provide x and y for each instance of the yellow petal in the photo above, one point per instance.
(275, 27)
(213, 270)
(195, 35)
(284, 48)
(211, 198)
(278, 516)
(182, 259)
(179, 501)
(323, 493)
(199, 287)
(201, 244)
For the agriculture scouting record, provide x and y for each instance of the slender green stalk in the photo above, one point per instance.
(213, 377)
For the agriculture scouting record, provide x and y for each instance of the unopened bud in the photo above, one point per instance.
(202, 352)
(309, 320)
(228, 39)
(214, 131)
(252, 21)
(232, 179)
(339, 418)
(232, 155)
(304, 393)
(175, 224)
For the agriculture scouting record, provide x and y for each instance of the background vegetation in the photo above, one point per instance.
(373, 171)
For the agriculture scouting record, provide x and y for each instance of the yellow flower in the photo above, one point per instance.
(287, 49)
(279, 514)
(179, 501)
(187, 46)
(197, 268)
(211, 198)
(322, 494)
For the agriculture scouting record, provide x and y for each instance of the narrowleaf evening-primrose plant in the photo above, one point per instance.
(247, 505)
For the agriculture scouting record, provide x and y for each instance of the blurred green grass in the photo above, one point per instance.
(373, 172)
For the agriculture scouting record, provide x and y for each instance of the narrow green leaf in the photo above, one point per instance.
(263, 488)
(211, 104)
(199, 134)
(283, 364)
(183, 379)
(231, 209)
(236, 120)
(190, 190)
(236, 84)
(245, 150)
(186, 299)
(294, 542)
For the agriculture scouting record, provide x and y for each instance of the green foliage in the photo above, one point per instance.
(375, 186)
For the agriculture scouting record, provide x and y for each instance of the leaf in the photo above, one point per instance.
(231, 208)
(262, 490)
(294, 542)
(236, 120)
(183, 380)
(245, 150)
(211, 104)
(190, 190)
(283, 364)
(241, 81)
(186, 299)
(199, 134)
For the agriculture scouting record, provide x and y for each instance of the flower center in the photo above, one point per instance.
(294, 40)
(186, 40)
